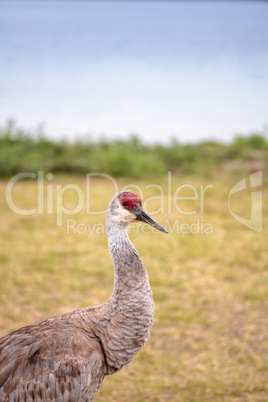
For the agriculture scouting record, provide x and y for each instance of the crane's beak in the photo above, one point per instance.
(142, 216)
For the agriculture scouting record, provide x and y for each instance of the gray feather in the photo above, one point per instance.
(65, 358)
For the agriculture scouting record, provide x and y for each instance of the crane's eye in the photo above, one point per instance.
(124, 204)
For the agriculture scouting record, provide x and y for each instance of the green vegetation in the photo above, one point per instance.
(209, 338)
(21, 151)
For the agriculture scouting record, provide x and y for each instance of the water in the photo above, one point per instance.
(190, 70)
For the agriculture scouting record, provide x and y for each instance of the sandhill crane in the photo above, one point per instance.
(65, 358)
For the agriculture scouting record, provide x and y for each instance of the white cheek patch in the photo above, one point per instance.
(125, 215)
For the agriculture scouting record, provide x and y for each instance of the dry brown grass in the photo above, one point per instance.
(209, 339)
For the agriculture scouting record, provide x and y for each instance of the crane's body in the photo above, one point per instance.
(65, 358)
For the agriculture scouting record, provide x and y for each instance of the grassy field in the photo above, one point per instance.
(209, 339)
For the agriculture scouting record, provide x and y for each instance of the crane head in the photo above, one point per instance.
(130, 207)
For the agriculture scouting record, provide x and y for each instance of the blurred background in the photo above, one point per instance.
(153, 72)
(134, 90)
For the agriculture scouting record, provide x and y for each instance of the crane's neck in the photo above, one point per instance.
(129, 272)
(131, 305)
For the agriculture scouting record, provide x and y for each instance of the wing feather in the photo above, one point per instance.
(50, 361)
